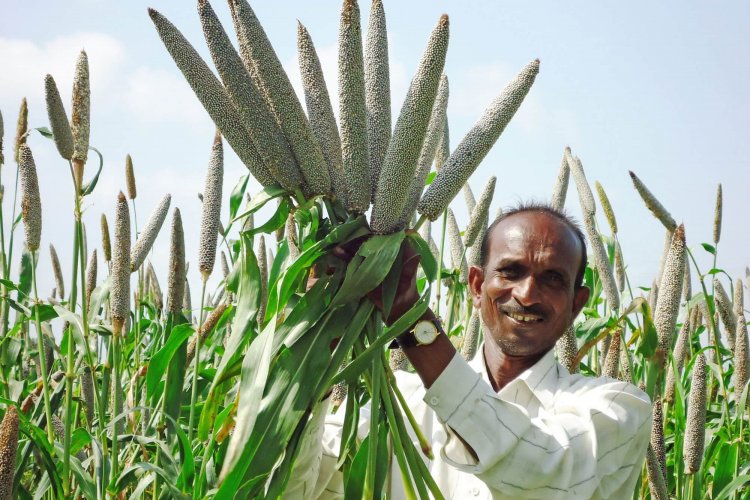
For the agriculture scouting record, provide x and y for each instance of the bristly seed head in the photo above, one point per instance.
(717, 216)
(31, 204)
(606, 207)
(210, 221)
(120, 273)
(106, 245)
(149, 233)
(91, 272)
(81, 109)
(130, 177)
(22, 128)
(560, 190)
(480, 214)
(653, 204)
(176, 279)
(695, 427)
(8, 449)
(670, 291)
(58, 119)
(57, 271)
(741, 357)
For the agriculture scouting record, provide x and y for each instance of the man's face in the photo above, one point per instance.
(527, 292)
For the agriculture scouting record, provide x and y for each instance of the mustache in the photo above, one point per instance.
(516, 308)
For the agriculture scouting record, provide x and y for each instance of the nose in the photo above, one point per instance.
(526, 291)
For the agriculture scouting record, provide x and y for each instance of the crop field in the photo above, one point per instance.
(125, 383)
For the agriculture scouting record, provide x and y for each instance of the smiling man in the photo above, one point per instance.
(512, 423)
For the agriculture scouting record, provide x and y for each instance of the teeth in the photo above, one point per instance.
(523, 318)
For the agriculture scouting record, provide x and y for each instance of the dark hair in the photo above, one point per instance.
(543, 208)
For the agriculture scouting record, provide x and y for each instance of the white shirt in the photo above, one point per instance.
(547, 434)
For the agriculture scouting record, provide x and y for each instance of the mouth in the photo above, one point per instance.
(524, 319)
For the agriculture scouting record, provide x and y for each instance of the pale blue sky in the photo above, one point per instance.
(657, 88)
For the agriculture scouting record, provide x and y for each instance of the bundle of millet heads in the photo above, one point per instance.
(326, 178)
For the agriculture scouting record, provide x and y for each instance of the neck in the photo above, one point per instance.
(502, 368)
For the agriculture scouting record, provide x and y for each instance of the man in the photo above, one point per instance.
(513, 423)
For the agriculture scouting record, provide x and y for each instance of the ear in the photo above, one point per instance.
(580, 298)
(476, 279)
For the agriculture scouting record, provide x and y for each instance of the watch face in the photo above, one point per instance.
(425, 332)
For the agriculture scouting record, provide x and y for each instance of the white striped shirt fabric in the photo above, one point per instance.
(547, 434)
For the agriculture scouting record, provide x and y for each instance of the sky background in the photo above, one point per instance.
(657, 88)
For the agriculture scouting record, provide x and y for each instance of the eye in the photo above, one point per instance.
(555, 278)
(509, 272)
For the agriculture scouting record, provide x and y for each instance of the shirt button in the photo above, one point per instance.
(434, 400)
(475, 491)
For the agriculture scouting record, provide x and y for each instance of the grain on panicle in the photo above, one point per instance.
(606, 207)
(31, 204)
(619, 268)
(679, 355)
(717, 216)
(657, 435)
(91, 272)
(339, 391)
(695, 427)
(120, 272)
(57, 272)
(154, 287)
(377, 92)
(106, 244)
(352, 110)
(205, 330)
(687, 284)
(476, 144)
(22, 129)
(585, 196)
(653, 204)
(210, 220)
(567, 349)
(444, 148)
(320, 110)
(87, 393)
(601, 261)
(560, 189)
(653, 295)
(469, 198)
(402, 155)
(147, 236)
(612, 361)
(8, 448)
(58, 119)
(457, 247)
(187, 303)
(426, 156)
(224, 266)
(668, 234)
(80, 123)
(397, 360)
(656, 482)
(130, 177)
(256, 116)
(263, 264)
(213, 97)
(176, 281)
(480, 214)
(261, 59)
(741, 357)
(625, 373)
(724, 308)
(472, 336)
(670, 291)
(738, 299)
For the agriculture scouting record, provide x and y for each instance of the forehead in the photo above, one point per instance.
(538, 236)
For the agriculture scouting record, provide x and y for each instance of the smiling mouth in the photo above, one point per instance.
(524, 318)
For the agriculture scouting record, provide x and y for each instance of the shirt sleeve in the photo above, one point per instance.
(590, 443)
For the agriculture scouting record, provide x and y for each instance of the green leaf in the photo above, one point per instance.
(426, 259)
(259, 200)
(277, 220)
(45, 132)
(736, 485)
(355, 479)
(8, 284)
(159, 362)
(709, 248)
(236, 197)
(88, 188)
(430, 177)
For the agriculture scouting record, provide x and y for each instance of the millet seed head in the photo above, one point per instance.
(320, 110)
(738, 300)
(91, 271)
(670, 291)
(106, 245)
(679, 355)
(469, 198)
(31, 204)
(472, 336)
(402, 155)
(457, 247)
(656, 482)
(724, 308)
(377, 92)
(476, 144)
(567, 349)
(147, 236)
(176, 279)
(606, 207)
(22, 128)
(653, 204)
(263, 263)
(80, 123)
(352, 110)
(560, 189)
(120, 272)
(657, 435)
(444, 148)
(717, 216)
(601, 261)
(478, 216)
(130, 177)
(611, 367)
(741, 357)
(57, 271)
(585, 196)
(87, 393)
(8, 449)
(58, 119)
(213, 96)
(210, 220)
(619, 268)
(695, 427)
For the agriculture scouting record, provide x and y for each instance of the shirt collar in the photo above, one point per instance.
(542, 378)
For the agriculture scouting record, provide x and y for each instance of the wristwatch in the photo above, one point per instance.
(425, 332)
